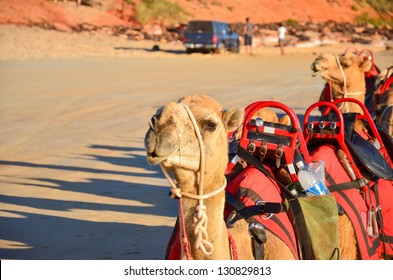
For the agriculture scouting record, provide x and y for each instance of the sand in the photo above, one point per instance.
(74, 181)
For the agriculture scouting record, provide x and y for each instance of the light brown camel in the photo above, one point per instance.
(345, 73)
(173, 142)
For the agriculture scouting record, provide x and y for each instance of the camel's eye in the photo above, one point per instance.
(209, 125)
(345, 61)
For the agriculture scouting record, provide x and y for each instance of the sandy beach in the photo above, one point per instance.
(74, 181)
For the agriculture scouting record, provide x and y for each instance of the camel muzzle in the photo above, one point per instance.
(161, 141)
(317, 68)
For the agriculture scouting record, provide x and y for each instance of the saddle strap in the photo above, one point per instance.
(258, 236)
(356, 184)
(386, 240)
(258, 240)
(304, 241)
(246, 213)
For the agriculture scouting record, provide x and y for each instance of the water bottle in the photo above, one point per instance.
(310, 181)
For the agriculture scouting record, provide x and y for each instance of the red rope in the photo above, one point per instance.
(232, 243)
(331, 91)
(186, 244)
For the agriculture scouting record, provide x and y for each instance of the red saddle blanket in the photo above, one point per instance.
(356, 206)
(250, 186)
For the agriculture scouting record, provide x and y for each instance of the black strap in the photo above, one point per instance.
(234, 201)
(380, 219)
(301, 230)
(250, 211)
(244, 212)
(387, 240)
(267, 207)
(258, 240)
(259, 250)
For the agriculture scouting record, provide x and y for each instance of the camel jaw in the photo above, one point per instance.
(319, 69)
(153, 158)
(174, 161)
(318, 73)
(169, 154)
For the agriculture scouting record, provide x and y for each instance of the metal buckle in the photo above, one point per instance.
(263, 150)
(333, 126)
(255, 225)
(258, 122)
(252, 147)
(310, 127)
(321, 127)
(278, 153)
(267, 216)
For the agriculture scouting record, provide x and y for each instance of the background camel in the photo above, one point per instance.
(370, 78)
(345, 74)
(172, 142)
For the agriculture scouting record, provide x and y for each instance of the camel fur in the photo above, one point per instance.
(171, 141)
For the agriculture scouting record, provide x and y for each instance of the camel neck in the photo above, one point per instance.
(213, 231)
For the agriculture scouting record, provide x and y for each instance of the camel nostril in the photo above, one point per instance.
(153, 154)
(153, 123)
(316, 67)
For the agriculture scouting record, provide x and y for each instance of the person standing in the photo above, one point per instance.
(281, 37)
(248, 29)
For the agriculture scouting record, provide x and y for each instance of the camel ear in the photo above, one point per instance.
(345, 61)
(365, 65)
(233, 118)
(285, 120)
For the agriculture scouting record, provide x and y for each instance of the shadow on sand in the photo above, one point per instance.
(154, 49)
(40, 228)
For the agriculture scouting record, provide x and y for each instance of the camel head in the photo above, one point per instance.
(345, 72)
(171, 139)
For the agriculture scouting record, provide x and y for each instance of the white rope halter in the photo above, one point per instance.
(346, 94)
(200, 217)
